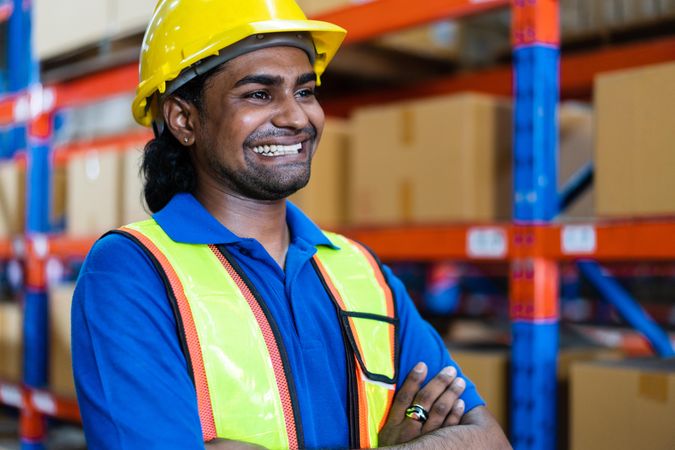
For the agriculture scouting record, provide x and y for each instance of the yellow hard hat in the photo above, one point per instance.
(183, 33)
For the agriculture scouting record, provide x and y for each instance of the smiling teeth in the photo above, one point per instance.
(278, 150)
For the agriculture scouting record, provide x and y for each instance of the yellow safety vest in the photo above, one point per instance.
(236, 356)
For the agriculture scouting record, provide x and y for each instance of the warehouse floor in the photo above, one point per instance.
(61, 437)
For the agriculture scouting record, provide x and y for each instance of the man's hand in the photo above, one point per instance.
(440, 397)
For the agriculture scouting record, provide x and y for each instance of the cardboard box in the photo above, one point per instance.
(433, 160)
(489, 365)
(324, 199)
(94, 203)
(60, 357)
(488, 369)
(11, 342)
(635, 161)
(576, 150)
(133, 202)
(12, 198)
(623, 405)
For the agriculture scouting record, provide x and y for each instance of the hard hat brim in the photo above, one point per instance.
(327, 39)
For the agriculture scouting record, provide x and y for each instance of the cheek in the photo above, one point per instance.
(316, 117)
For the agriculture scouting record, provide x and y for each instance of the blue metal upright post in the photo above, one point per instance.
(24, 78)
(534, 279)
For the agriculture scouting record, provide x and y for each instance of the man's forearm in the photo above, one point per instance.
(478, 431)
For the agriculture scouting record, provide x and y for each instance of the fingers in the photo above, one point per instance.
(455, 416)
(445, 403)
(406, 394)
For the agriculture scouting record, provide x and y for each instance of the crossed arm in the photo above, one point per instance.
(447, 427)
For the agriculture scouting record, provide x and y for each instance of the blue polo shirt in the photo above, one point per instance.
(131, 376)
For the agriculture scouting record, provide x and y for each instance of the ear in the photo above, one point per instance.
(180, 116)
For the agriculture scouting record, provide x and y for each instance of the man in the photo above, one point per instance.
(229, 319)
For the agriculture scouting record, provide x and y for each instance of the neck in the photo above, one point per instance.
(264, 221)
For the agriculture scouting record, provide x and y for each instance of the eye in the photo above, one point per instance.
(306, 93)
(258, 95)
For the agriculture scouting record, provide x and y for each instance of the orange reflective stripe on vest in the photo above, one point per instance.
(245, 390)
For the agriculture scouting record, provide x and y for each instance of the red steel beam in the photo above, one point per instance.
(614, 241)
(111, 82)
(6, 249)
(122, 142)
(578, 71)
(68, 247)
(421, 243)
(368, 20)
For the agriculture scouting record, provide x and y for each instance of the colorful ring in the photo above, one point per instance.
(417, 412)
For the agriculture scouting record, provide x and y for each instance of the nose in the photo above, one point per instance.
(290, 114)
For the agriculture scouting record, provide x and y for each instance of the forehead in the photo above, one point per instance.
(285, 62)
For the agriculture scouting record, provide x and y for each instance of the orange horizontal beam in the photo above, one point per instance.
(55, 406)
(6, 249)
(7, 109)
(578, 71)
(611, 241)
(428, 243)
(108, 83)
(123, 142)
(368, 20)
(69, 247)
(646, 240)
(577, 74)
(634, 241)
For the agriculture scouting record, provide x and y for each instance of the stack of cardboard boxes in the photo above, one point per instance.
(437, 160)
(635, 136)
(12, 198)
(104, 190)
(11, 346)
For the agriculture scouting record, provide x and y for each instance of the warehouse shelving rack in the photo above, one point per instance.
(533, 244)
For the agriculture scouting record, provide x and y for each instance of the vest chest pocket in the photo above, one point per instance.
(368, 334)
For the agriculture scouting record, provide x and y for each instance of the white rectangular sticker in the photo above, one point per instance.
(487, 242)
(11, 395)
(578, 239)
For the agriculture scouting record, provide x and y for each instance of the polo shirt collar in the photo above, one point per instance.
(186, 220)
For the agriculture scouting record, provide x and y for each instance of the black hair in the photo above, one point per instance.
(167, 168)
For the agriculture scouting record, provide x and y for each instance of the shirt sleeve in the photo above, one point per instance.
(131, 376)
(419, 341)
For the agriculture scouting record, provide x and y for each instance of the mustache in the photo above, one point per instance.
(261, 135)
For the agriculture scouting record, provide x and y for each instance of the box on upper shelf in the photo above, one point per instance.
(93, 203)
(431, 160)
(324, 199)
(577, 133)
(104, 190)
(635, 161)
(623, 405)
(12, 198)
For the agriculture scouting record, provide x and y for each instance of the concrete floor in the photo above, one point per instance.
(60, 437)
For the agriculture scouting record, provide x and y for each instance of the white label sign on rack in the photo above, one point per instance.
(487, 242)
(578, 239)
(11, 395)
(44, 402)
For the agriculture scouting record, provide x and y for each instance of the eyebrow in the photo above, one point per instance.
(305, 78)
(269, 80)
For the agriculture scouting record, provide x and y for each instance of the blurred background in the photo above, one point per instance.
(513, 162)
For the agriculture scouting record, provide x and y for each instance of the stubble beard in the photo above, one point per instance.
(262, 182)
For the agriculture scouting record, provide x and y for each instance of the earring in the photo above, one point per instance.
(185, 139)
